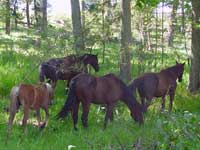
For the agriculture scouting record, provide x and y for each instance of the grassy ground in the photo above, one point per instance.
(19, 58)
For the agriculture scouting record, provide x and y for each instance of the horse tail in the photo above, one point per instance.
(69, 102)
(134, 85)
(129, 99)
(14, 106)
(42, 71)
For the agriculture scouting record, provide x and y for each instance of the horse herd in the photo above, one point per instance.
(84, 88)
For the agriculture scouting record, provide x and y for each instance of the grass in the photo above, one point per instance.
(19, 58)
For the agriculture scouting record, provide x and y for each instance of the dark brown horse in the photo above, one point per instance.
(151, 85)
(107, 90)
(30, 97)
(66, 74)
(50, 68)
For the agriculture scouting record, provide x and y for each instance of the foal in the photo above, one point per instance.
(151, 85)
(29, 96)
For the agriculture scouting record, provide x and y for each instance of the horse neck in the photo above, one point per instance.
(172, 71)
(134, 84)
(129, 99)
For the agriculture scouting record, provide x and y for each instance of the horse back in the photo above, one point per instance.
(33, 96)
(165, 82)
(109, 88)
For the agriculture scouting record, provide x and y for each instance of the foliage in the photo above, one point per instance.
(24, 49)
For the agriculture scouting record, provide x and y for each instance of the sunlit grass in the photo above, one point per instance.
(20, 56)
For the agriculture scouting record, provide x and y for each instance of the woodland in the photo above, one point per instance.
(129, 38)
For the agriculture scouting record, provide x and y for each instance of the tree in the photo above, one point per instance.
(27, 13)
(38, 12)
(7, 16)
(44, 18)
(125, 41)
(76, 25)
(194, 83)
(15, 14)
(172, 22)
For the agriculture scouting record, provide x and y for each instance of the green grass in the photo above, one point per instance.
(19, 58)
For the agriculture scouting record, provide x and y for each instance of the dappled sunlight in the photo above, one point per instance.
(26, 48)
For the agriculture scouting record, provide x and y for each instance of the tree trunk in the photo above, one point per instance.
(7, 16)
(125, 41)
(194, 83)
(37, 12)
(44, 18)
(27, 13)
(83, 18)
(15, 13)
(77, 27)
(103, 31)
(172, 22)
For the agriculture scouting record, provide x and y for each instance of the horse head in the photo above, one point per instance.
(180, 70)
(92, 60)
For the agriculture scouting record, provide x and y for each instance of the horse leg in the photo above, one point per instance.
(10, 123)
(111, 116)
(54, 82)
(108, 113)
(84, 117)
(46, 117)
(163, 103)
(148, 102)
(171, 98)
(143, 104)
(25, 118)
(75, 113)
(38, 117)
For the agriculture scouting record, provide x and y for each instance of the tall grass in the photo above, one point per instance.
(19, 60)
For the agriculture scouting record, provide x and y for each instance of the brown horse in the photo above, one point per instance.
(66, 74)
(29, 96)
(48, 69)
(107, 90)
(151, 85)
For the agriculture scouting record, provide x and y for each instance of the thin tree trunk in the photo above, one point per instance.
(27, 13)
(103, 31)
(77, 27)
(83, 18)
(37, 12)
(44, 18)
(162, 31)
(125, 64)
(15, 13)
(194, 83)
(7, 16)
(172, 23)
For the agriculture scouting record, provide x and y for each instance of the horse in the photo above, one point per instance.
(160, 84)
(66, 74)
(48, 69)
(30, 97)
(106, 90)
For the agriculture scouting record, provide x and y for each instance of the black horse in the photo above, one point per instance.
(55, 66)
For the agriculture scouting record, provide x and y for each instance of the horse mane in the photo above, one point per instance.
(172, 70)
(125, 89)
